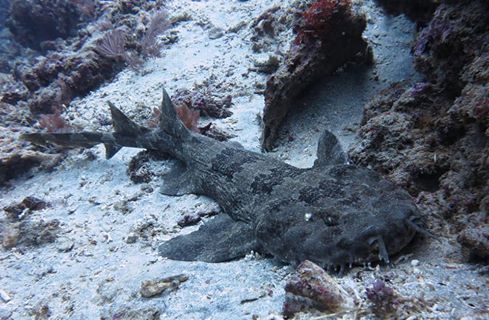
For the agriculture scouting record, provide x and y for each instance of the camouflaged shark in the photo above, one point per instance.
(334, 214)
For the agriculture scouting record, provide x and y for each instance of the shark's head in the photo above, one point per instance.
(351, 215)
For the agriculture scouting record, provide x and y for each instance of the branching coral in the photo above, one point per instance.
(149, 44)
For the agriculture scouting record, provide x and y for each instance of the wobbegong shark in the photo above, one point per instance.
(334, 214)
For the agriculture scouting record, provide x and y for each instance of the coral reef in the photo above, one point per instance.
(33, 22)
(17, 157)
(140, 169)
(149, 45)
(328, 35)
(266, 27)
(475, 238)
(75, 54)
(432, 138)
(452, 40)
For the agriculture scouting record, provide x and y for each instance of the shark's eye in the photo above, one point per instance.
(330, 219)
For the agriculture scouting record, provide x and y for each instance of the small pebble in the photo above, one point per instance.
(5, 296)
(152, 288)
(131, 238)
(414, 263)
(65, 244)
(5, 314)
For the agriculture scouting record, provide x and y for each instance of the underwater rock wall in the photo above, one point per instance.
(433, 138)
(4, 8)
(328, 35)
(33, 22)
(420, 11)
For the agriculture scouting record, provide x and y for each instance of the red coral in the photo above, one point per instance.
(317, 18)
(189, 117)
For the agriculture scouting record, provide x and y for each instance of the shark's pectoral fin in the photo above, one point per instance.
(221, 239)
(329, 150)
(111, 150)
(179, 181)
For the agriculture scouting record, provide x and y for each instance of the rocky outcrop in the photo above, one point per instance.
(433, 138)
(328, 35)
(457, 34)
(33, 22)
(475, 237)
(420, 11)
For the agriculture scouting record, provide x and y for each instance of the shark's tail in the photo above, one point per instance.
(126, 133)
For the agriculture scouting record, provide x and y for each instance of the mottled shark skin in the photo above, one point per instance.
(334, 214)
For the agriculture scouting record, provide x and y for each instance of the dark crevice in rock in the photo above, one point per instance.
(420, 11)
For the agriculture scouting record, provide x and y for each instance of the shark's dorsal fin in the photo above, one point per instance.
(122, 124)
(329, 150)
(169, 121)
(218, 240)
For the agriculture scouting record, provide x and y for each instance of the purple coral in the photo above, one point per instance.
(383, 298)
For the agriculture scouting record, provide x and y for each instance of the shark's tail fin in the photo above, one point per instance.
(169, 120)
(125, 133)
(124, 129)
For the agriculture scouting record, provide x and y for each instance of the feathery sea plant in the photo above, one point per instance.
(149, 43)
(112, 45)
